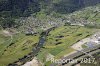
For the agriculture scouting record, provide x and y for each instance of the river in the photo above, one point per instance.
(35, 50)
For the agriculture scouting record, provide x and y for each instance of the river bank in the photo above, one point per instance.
(35, 50)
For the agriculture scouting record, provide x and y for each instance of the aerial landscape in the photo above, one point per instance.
(49, 32)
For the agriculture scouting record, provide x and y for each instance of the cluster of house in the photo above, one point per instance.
(94, 41)
(30, 31)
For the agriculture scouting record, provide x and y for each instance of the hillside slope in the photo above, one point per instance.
(12, 9)
(88, 16)
(30, 6)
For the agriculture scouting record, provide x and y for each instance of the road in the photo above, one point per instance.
(80, 54)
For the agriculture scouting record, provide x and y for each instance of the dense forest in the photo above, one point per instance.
(26, 7)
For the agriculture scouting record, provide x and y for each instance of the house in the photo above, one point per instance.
(99, 39)
(30, 32)
(90, 44)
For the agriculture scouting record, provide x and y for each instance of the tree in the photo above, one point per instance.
(7, 22)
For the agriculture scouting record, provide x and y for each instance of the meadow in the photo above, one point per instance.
(60, 40)
(13, 49)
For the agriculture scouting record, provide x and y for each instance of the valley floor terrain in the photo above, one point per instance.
(32, 32)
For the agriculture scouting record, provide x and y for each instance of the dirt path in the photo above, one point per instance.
(6, 33)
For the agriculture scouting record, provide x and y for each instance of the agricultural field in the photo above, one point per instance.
(34, 31)
(17, 47)
(60, 39)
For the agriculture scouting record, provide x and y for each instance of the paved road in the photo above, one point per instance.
(78, 55)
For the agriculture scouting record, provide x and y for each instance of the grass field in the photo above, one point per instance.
(57, 44)
(11, 51)
(59, 41)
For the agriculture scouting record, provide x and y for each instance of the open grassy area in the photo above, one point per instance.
(84, 46)
(59, 40)
(57, 44)
(20, 46)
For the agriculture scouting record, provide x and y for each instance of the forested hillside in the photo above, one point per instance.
(19, 7)
(12, 9)
(25, 7)
(66, 6)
